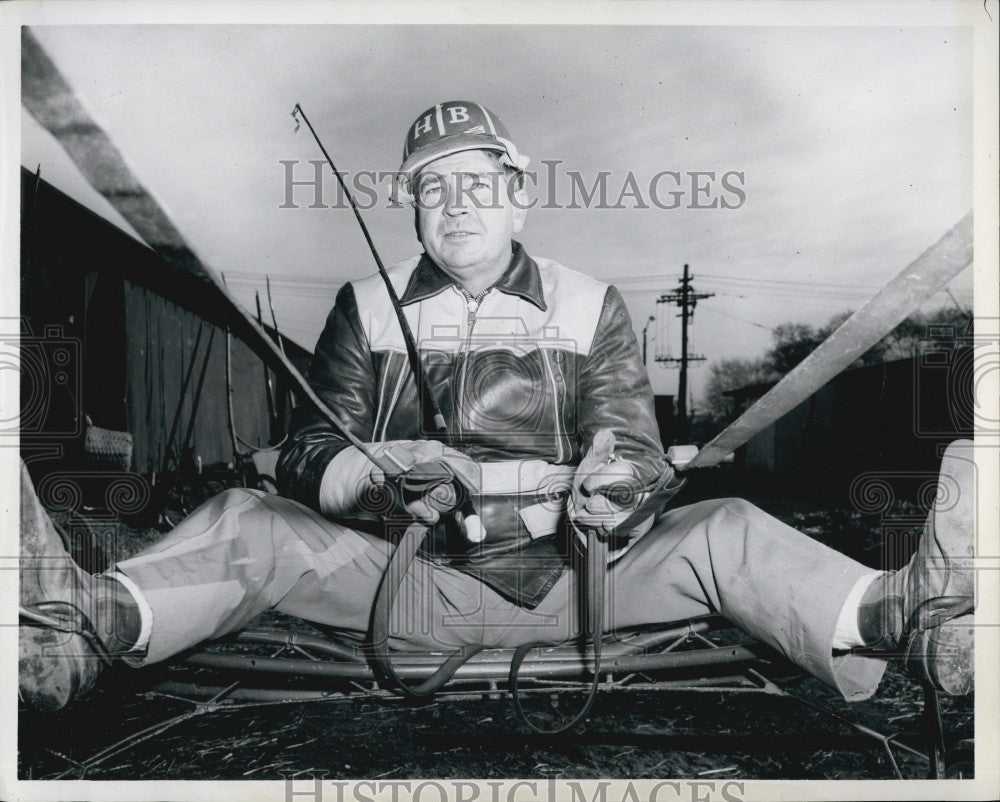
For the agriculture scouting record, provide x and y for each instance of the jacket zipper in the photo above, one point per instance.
(557, 404)
(472, 303)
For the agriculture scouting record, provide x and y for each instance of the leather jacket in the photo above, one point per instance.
(524, 375)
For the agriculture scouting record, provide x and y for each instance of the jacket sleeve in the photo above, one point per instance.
(343, 375)
(614, 392)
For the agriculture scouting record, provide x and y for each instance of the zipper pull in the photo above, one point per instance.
(472, 307)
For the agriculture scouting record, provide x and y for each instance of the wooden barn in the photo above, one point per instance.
(113, 332)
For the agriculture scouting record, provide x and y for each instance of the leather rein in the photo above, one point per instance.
(592, 586)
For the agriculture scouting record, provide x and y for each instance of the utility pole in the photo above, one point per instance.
(687, 299)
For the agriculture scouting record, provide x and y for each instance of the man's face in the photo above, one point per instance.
(465, 217)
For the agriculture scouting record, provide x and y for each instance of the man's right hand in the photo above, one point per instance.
(350, 480)
(432, 465)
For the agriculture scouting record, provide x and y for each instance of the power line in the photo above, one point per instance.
(830, 284)
(781, 292)
(749, 280)
(740, 319)
(818, 294)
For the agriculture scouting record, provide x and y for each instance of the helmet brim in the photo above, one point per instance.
(446, 146)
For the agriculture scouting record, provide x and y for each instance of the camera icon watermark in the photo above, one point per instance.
(48, 368)
(509, 384)
(951, 363)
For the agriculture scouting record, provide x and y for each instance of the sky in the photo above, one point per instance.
(851, 148)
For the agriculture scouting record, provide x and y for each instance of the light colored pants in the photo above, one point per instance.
(245, 552)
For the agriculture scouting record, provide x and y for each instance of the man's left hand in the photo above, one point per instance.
(605, 489)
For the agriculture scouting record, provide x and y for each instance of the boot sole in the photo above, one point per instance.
(53, 668)
(945, 656)
(954, 519)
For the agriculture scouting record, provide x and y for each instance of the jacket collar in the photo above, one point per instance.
(521, 278)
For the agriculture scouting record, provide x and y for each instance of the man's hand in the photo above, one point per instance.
(605, 488)
(429, 484)
(351, 485)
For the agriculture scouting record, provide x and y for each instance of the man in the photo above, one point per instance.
(535, 370)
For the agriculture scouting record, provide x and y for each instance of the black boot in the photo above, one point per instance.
(72, 623)
(926, 607)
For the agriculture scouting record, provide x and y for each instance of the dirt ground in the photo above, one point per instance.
(632, 734)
